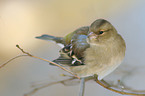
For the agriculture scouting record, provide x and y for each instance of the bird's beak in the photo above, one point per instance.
(92, 36)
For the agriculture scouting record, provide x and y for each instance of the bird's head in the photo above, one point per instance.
(100, 32)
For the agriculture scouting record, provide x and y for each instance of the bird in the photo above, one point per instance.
(96, 49)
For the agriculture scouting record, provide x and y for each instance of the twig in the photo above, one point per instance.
(126, 88)
(117, 91)
(70, 83)
(49, 84)
(82, 87)
(11, 60)
(48, 61)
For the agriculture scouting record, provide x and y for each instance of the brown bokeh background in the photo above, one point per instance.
(22, 20)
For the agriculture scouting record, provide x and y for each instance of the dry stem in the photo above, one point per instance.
(48, 61)
(4, 64)
(114, 90)
(49, 84)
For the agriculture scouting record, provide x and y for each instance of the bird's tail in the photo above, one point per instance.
(51, 38)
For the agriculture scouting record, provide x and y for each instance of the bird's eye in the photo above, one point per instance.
(101, 32)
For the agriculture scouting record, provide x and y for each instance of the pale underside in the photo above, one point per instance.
(100, 60)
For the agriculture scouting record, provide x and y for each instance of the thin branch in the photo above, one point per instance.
(126, 88)
(69, 83)
(48, 61)
(49, 84)
(11, 60)
(114, 90)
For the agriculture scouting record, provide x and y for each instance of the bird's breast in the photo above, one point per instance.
(100, 60)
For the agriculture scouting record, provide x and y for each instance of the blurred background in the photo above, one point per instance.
(22, 20)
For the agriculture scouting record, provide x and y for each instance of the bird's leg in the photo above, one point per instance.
(82, 87)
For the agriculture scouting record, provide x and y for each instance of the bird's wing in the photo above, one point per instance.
(78, 44)
(74, 46)
(80, 31)
(73, 54)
